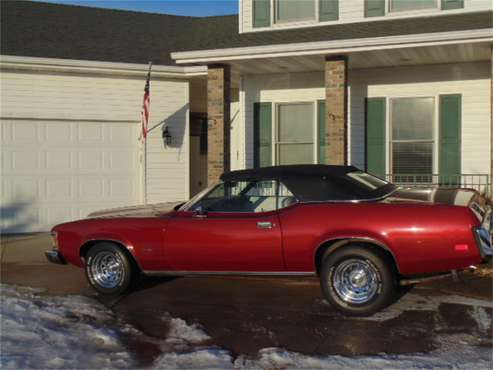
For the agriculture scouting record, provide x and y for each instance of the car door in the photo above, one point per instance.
(234, 229)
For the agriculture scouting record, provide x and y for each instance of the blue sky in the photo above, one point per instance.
(179, 7)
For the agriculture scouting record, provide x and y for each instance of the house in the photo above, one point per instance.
(400, 88)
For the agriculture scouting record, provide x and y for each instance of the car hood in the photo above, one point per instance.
(147, 210)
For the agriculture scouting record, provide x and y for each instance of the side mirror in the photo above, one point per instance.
(199, 212)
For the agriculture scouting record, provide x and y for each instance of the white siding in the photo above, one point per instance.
(108, 98)
(472, 80)
(354, 11)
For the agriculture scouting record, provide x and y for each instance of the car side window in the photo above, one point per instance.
(285, 198)
(240, 196)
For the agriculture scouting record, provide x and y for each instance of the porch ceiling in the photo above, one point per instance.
(471, 52)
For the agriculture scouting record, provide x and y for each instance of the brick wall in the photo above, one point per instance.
(218, 111)
(336, 110)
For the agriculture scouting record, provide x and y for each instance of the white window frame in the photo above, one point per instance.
(389, 127)
(275, 133)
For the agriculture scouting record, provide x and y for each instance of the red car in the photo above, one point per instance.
(364, 237)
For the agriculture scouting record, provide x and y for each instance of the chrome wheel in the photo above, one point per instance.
(107, 269)
(355, 281)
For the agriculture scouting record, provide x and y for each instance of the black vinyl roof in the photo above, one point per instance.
(314, 182)
(287, 171)
(74, 32)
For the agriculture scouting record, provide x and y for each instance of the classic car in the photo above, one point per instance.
(365, 238)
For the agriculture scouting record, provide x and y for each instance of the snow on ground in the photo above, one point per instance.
(77, 332)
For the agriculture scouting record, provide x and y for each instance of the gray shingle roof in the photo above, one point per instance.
(74, 32)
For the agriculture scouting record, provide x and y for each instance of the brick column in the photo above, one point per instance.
(336, 71)
(218, 116)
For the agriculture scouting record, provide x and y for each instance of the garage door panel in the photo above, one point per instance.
(90, 132)
(121, 134)
(57, 161)
(25, 132)
(122, 161)
(24, 161)
(58, 133)
(91, 161)
(59, 190)
(57, 171)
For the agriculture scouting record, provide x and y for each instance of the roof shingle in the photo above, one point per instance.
(73, 32)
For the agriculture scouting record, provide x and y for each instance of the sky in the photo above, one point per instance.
(178, 7)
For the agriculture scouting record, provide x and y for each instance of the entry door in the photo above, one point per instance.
(224, 242)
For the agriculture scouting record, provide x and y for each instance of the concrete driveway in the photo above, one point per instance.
(245, 315)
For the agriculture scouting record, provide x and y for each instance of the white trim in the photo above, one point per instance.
(99, 67)
(337, 46)
(388, 16)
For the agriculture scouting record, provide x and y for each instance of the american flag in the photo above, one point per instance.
(146, 104)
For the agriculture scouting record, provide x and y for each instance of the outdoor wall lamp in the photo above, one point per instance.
(167, 136)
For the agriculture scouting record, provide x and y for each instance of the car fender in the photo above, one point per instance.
(339, 240)
(111, 237)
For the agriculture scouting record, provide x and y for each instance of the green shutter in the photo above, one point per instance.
(262, 134)
(452, 4)
(328, 10)
(321, 130)
(261, 13)
(375, 136)
(374, 8)
(450, 139)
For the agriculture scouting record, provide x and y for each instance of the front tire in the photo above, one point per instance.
(108, 269)
(356, 281)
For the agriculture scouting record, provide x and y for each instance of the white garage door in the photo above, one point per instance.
(56, 171)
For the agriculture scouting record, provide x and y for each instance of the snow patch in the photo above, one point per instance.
(201, 358)
(276, 358)
(180, 330)
(57, 332)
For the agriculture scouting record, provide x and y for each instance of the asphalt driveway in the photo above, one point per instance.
(244, 315)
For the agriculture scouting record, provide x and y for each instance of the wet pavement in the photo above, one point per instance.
(245, 315)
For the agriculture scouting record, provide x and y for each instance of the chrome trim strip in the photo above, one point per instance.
(229, 273)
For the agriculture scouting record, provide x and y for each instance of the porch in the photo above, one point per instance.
(417, 116)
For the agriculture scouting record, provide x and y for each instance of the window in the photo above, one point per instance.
(239, 196)
(409, 5)
(294, 10)
(285, 197)
(295, 133)
(243, 196)
(412, 143)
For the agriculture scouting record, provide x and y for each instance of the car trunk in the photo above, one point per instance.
(479, 204)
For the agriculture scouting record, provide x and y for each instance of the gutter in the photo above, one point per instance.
(334, 47)
(8, 62)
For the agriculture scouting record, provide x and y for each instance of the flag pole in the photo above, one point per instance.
(145, 137)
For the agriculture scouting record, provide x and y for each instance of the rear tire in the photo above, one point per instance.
(108, 269)
(356, 281)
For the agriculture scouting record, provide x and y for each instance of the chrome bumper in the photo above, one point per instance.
(483, 241)
(55, 256)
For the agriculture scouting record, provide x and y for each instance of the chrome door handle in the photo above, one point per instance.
(264, 225)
